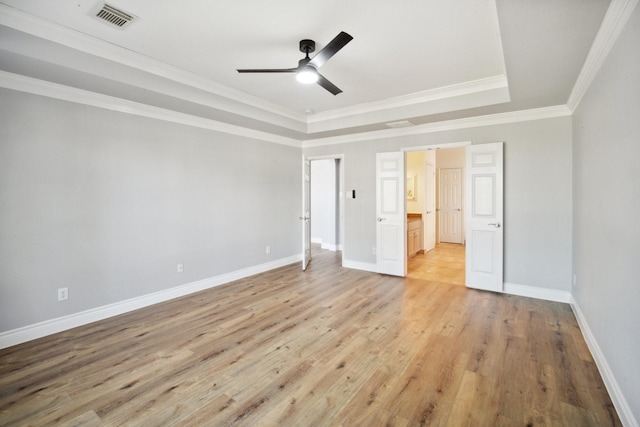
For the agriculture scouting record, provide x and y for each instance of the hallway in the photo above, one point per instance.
(443, 264)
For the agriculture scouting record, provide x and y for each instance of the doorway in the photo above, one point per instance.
(438, 202)
(326, 197)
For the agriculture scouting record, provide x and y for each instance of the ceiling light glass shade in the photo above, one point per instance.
(307, 75)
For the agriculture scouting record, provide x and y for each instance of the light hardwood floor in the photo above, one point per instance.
(327, 347)
(443, 264)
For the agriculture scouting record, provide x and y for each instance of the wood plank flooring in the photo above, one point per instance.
(444, 263)
(326, 347)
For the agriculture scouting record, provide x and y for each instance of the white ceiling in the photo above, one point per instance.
(421, 60)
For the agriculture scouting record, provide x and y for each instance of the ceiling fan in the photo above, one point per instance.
(307, 69)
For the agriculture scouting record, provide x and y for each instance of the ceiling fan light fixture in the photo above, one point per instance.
(307, 69)
(307, 75)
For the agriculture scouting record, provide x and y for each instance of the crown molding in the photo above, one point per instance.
(451, 91)
(465, 123)
(38, 27)
(478, 93)
(614, 21)
(491, 90)
(53, 90)
(487, 91)
(482, 90)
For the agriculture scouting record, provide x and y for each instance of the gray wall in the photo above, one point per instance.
(108, 204)
(606, 236)
(537, 196)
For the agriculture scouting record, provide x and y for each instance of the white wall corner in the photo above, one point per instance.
(536, 292)
(60, 324)
(620, 403)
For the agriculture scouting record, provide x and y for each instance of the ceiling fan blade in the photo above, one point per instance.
(331, 49)
(269, 70)
(328, 85)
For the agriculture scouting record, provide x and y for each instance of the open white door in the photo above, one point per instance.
(484, 217)
(306, 212)
(390, 214)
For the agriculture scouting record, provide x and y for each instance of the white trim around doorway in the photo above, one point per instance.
(342, 196)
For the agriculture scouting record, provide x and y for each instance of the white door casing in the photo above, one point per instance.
(484, 217)
(390, 214)
(451, 205)
(306, 212)
(430, 208)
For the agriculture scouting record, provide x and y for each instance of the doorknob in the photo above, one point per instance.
(458, 209)
(495, 224)
(429, 212)
(381, 219)
(304, 218)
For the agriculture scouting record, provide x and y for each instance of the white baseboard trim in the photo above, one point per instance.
(620, 403)
(329, 246)
(358, 265)
(49, 327)
(535, 292)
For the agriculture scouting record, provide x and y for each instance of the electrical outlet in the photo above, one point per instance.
(373, 250)
(575, 280)
(180, 268)
(63, 294)
(267, 250)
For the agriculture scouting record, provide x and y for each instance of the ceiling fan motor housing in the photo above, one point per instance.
(307, 46)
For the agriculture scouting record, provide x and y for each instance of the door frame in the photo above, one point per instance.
(341, 195)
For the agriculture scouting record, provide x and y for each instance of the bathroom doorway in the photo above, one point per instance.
(435, 258)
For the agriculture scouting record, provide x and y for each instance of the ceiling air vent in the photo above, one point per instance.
(113, 16)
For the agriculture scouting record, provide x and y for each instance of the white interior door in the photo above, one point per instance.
(430, 208)
(484, 214)
(306, 212)
(390, 214)
(451, 205)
